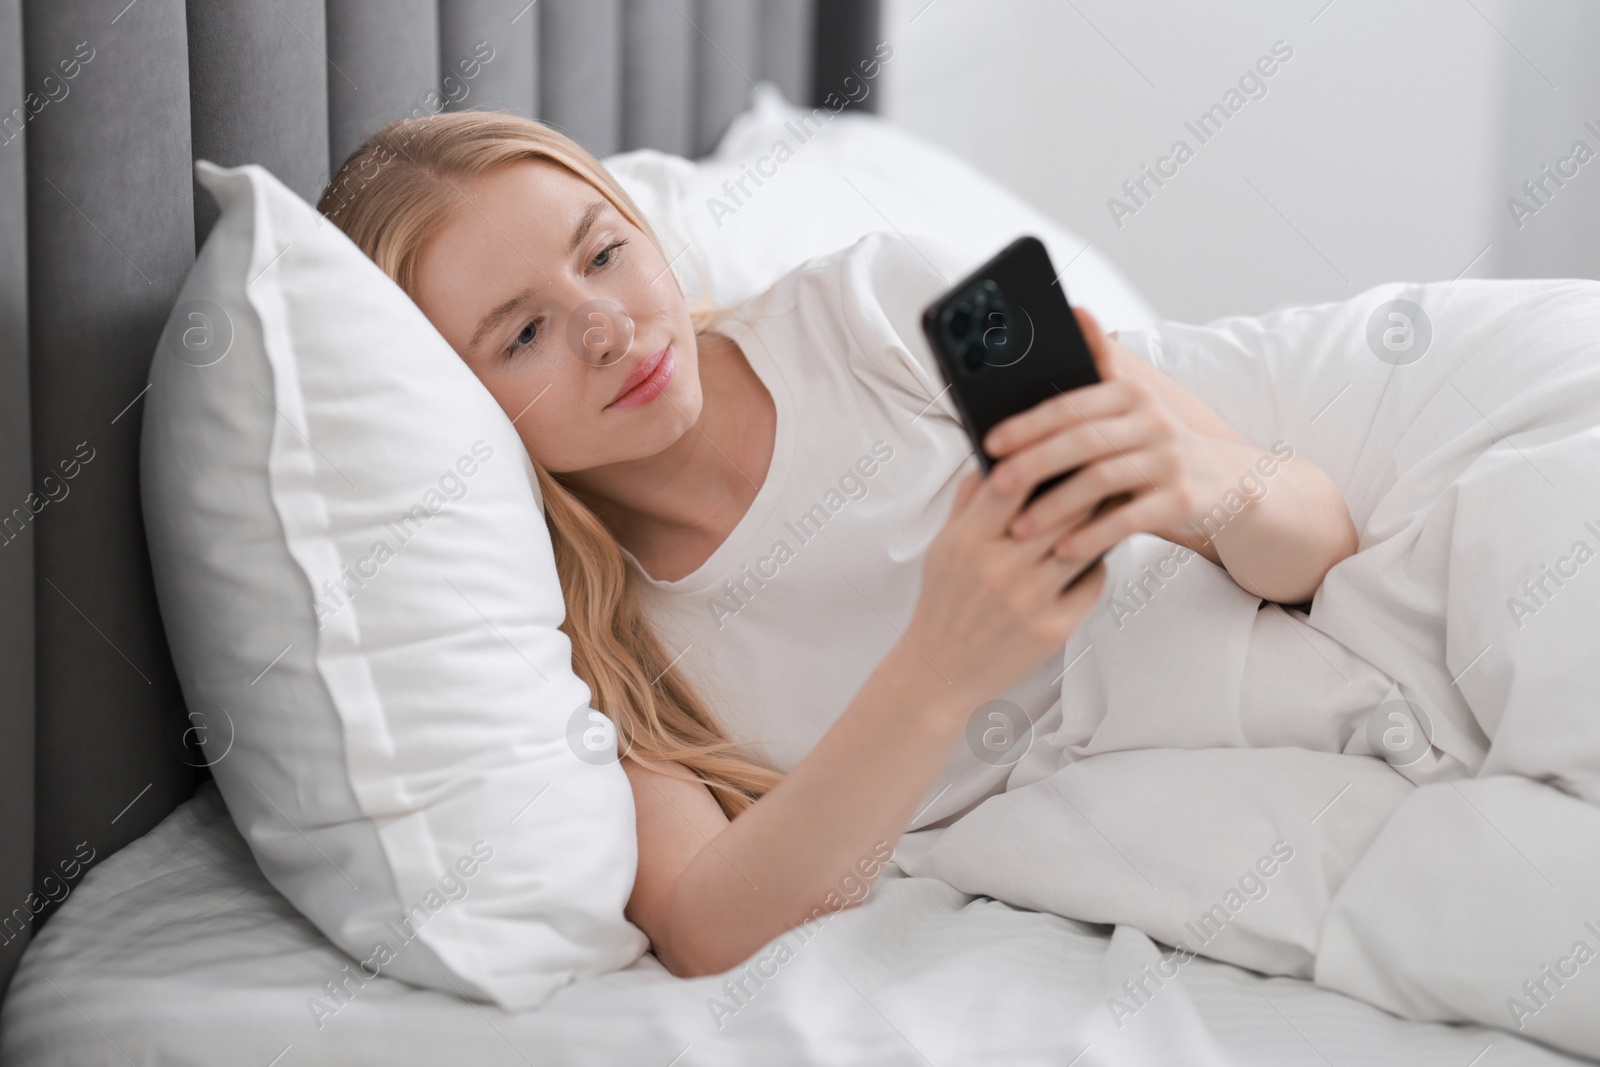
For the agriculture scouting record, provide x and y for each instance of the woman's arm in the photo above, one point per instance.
(1284, 502)
(1273, 519)
(709, 892)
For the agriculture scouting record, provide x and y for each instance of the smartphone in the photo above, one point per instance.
(1006, 339)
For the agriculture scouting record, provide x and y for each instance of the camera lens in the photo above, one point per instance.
(977, 328)
(972, 357)
(960, 322)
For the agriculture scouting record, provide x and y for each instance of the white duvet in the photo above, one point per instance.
(1212, 779)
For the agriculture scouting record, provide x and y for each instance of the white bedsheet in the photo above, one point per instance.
(176, 951)
(1461, 883)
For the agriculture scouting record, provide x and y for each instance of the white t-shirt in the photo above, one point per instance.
(780, 628)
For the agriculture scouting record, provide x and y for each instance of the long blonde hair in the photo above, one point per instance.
(390, 197)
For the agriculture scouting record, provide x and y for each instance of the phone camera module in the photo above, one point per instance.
(977, 327)
(960, 321)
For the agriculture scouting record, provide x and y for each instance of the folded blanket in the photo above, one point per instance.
(1418, 759)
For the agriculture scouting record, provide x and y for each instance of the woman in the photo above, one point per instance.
(761, 522)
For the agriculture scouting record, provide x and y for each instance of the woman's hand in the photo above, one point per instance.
(1127, 439)
(991, 607)
(1140, 437)
(709, 892)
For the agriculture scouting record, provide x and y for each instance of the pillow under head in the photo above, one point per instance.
(359, 590)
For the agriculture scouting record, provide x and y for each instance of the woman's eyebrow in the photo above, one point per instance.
(497, 315)
(585, 224)
(500, 312)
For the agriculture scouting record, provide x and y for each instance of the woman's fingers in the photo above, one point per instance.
(1082, 591)
(966, 489)
(1072, 448)
(1109, 397)
(1100, 401)
(1070, 598)
(1070, 503)
(987, 510)
(984, 509)
(1146, 512)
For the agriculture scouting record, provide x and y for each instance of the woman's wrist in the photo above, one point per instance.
(1276, 523)
(911, 680)
(1216, 466)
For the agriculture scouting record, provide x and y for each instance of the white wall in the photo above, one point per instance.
(1384, 149)
(1542, 112)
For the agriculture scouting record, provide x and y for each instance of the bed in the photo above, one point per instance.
(137, 928)
(176, 951)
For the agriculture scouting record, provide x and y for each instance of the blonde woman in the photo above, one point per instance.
(786, 582)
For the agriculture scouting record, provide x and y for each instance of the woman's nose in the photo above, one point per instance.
(599, 332)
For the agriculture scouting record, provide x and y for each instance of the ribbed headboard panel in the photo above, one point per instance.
(104, 104)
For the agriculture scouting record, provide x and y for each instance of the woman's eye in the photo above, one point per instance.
(607, 252)
(523, 339)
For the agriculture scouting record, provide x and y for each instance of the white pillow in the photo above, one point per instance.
(854, 174)
(362, 603)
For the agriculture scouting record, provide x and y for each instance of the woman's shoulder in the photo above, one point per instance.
(866, 299)
(883, 266)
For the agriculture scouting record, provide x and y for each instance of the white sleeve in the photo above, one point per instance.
(886, 280)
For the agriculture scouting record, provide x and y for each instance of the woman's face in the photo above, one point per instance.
(567, 313)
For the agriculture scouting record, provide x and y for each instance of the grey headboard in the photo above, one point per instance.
(104, 104)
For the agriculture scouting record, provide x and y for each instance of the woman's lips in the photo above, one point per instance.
(646, 382)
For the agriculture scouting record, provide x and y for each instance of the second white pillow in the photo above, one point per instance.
(787, 184)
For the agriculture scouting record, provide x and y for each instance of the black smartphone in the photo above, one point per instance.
(1006, 339)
